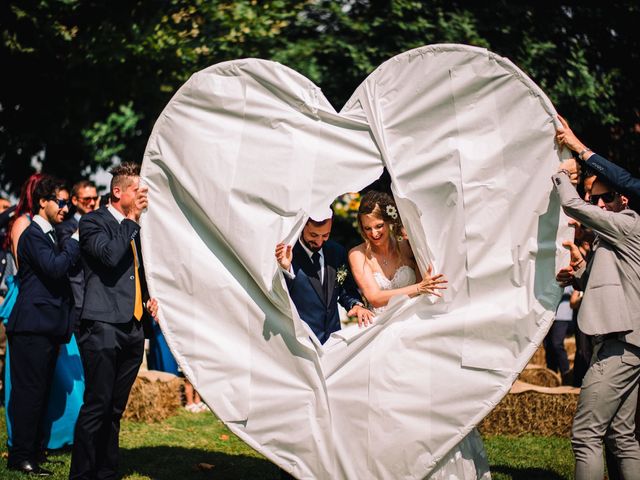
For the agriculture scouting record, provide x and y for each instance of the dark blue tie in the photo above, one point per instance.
(315, 258)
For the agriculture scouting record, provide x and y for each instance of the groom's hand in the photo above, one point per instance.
(365, 316)
(284, 255)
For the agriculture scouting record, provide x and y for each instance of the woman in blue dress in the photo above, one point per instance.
(65, 398)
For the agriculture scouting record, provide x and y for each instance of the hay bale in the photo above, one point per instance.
(541, 376)
(538, 358)
(532, 410)
(570, 346)
(154, 397)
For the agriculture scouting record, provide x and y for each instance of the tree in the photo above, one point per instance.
(84, 79)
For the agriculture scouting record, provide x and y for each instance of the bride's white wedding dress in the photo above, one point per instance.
(467, 460)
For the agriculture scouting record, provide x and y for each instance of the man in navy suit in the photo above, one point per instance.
(84, 198)
(111, 337)
(317, 275)
(39, 322)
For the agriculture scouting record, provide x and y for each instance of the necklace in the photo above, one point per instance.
(382, 259)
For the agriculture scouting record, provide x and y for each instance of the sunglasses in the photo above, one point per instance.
(606, 197)
(88, 199)
(61, 202)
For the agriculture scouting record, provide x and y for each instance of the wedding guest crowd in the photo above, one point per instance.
(77, 310)
(80, 276)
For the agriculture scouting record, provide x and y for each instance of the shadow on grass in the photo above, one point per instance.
(171, 463)
(516, 473)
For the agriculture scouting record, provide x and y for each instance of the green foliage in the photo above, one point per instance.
(69, 65)
(107, 139)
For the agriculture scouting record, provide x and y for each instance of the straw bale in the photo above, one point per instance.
(570, 346)
(542, 376)
(538, 358)
(154, 397)
(533, 410)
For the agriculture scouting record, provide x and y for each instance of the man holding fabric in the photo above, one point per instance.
(608, 171)
(610, 311)
(317, 276)
(111, 335)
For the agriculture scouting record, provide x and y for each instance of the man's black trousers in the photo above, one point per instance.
(111, 356)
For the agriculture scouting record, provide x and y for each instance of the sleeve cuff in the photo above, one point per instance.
(287, 273)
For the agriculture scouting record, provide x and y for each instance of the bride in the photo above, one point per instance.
(383, 266)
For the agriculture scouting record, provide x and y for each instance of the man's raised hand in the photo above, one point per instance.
(284, 255)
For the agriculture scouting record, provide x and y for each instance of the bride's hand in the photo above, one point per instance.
(431, 284)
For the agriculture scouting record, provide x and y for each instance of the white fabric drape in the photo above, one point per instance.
(247, 150)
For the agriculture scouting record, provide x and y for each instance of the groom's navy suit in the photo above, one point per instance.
(316, 301)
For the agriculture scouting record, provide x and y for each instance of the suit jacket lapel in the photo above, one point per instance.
(47, 237)
(306, 265)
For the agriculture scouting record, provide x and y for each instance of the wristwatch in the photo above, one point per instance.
(586, 150)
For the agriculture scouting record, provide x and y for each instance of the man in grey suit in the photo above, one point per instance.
(610, 311)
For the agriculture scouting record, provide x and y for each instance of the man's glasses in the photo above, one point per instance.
(87, 199)
(60, 201)
(606, 197)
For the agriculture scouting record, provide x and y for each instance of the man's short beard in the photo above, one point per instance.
(310, 247)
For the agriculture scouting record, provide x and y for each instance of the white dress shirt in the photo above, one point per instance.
(289, 273)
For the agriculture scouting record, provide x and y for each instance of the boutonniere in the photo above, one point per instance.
(341, 274)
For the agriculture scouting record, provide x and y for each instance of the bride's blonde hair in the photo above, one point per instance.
(382, 206)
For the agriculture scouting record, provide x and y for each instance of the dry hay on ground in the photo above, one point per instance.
(533, 410)
(155, 396)
(538, 358)
(570, 346)
(540, 376)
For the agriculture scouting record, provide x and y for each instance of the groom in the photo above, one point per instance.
(318, 277)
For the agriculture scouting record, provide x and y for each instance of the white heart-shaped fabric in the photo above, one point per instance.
(241, 156)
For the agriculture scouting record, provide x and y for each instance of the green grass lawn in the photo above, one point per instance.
(199, 446)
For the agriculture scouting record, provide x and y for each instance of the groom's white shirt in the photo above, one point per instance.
(289, 273)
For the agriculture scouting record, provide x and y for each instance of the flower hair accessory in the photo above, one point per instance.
(392, 212)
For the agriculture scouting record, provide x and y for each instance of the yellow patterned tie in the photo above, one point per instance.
(137, 309)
